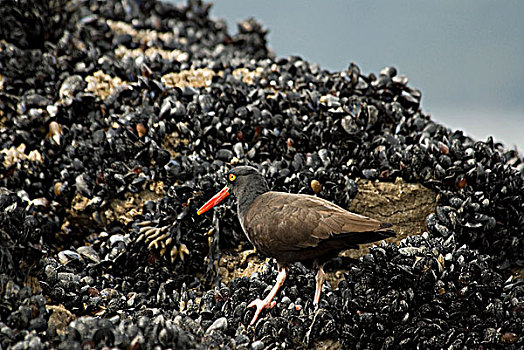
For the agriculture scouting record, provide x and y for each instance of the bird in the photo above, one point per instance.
(293, 227)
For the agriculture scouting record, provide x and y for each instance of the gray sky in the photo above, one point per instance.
(467, 57)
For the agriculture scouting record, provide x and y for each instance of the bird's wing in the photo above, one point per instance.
(284, 221)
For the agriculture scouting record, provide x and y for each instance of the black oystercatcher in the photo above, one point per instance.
(293, 227)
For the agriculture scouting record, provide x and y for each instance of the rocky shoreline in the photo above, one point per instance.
(119, 119)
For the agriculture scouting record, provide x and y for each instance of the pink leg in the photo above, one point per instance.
(321, 277)
(268, 301)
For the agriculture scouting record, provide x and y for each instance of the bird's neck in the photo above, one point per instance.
(247, 197)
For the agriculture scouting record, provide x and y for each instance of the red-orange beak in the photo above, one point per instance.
(217, 198)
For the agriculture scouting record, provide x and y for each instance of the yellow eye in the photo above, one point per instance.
(232, 177)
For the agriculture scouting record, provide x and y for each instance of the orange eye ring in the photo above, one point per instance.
(232, 177)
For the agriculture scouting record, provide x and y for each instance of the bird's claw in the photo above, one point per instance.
(260, 304)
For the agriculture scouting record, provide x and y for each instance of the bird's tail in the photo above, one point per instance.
(386, 231)
(369, 236)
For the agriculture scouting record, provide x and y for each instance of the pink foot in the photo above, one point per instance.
(268, 302)
(260, 304)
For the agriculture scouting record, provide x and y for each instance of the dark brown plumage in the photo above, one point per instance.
(294, 227)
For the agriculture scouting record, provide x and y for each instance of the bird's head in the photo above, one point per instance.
(241, 181)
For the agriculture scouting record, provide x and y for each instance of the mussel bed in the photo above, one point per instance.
(119, 119)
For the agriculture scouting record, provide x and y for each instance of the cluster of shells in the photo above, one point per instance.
(119, 119)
